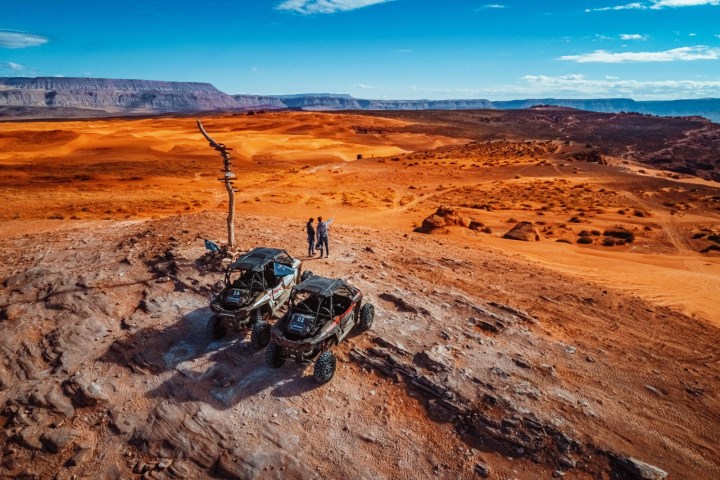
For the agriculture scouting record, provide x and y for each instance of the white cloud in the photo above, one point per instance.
(10, 39)
(629, 6)
(676, 54)
(495, 6)
(579, 85)
(309, 7)
(15, 67)
(632, 36)
(658, 4)
(368, 87)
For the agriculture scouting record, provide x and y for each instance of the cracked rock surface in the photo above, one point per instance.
(106, 370)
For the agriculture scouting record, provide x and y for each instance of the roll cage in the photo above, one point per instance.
(259, 269)
(322, 298)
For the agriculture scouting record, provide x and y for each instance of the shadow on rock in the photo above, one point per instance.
(230, 376)
(156, 349)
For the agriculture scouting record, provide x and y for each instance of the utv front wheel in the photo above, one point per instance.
(215, 329)
(325, 367)
(274, 356)
(260, 335)
(367, 315)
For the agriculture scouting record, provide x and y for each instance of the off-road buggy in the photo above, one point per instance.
(257, 285)
(321, 313)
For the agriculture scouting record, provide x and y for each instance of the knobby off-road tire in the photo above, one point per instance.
(215, 329)
(260, 335)
(305, 275)
(367, 315)
(325, 367)
(274, 356)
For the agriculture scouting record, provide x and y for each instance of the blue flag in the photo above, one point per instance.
(212, 246)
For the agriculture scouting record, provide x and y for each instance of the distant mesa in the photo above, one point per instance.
(111, 96)
(59, 96)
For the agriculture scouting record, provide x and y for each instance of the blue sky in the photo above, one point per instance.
(392, 49)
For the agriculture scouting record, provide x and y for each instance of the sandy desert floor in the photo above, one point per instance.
(600, 353)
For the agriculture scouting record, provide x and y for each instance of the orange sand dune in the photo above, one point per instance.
(302, 164)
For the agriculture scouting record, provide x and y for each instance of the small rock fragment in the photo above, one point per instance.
(482, 469)
(83, 391)
(83, 455)
(567, 462)
(58, 439)
(641, 469)
(521, 362)
(179, 470)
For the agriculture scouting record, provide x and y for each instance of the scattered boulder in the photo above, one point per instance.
(56, 440)
(83, 392)
(524, 231)
(123, 423)
(584, 240)
(29, 437)
(433, 222)
(449, 217)
(618, 231)
(479, 227)
(593, 156)
(641, 470)
(59, 402)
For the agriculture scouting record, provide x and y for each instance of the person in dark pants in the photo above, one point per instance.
(311, 238)
(322, 236)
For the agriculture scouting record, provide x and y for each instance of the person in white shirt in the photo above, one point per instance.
(322, 235)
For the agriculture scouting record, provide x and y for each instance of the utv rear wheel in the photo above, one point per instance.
(305, 275)
(274, 356)
(367, 315)
(260, 335)
(325, 367)
(215, 329)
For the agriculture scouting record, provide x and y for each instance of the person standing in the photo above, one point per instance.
(322, 235)
(311, 238)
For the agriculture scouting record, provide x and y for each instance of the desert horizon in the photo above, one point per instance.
(38, 98)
